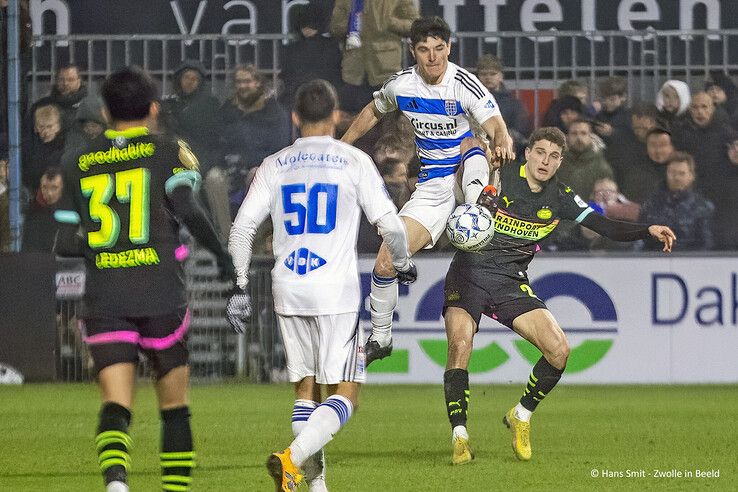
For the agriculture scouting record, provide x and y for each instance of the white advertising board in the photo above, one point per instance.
(628, 320)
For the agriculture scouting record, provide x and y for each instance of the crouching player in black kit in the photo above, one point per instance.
(129, 193)
(494, 282)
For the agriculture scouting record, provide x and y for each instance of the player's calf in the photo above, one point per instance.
(177, 455)
(113, 443)
(475, 170)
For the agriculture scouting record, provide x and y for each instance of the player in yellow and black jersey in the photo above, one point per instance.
(127, 195)
(494, 282)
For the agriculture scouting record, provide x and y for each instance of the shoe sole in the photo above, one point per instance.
(274, 466)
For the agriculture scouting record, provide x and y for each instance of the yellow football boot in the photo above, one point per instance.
(462, 451)
(520, 435)
(284, 472)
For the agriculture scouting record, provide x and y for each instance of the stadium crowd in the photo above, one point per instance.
(673, 160)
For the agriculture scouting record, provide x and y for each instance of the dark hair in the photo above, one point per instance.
(550, 133)
(128, 94)
(682, 157)
(429, 27)
(315, 101)
(659, 130)
(52, 172)
(586, 121)
(613, 86)
(645, 110)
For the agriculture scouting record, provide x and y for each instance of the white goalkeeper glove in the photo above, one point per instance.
(238, 310)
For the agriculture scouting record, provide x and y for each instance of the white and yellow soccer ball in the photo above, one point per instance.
(470, 227)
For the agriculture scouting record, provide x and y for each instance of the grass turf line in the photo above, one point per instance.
(398, 440)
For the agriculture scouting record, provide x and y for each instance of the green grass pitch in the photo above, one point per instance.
(399, 440)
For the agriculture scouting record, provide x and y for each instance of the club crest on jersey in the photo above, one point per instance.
(544, 213)
(302, 261)
(451, 108)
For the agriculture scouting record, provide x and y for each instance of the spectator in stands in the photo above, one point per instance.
(706, 137)
(677, 205)
(614, 115)
(580, 91)
(672, 102)
(192, 113)
(659, 146)
(89, 125)
(253, 125)
(634, 170)
(372, 50)
(724, 93)
(733, 148)
(46, 149)
(39, 227)
(491, 73)
(606, 199)
(4, 204)
(392, 146)
(67, 92)
(584, 161)
(311, 56)
(562, 112)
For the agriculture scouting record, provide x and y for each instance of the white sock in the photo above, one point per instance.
(476, 174)
(522, 413)
(383, 301)
(323, 424)
(459, 431)
(314, 466)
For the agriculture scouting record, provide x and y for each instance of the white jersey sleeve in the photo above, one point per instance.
(253, 211)
(475, 98)
(385, 99)
(372, 195)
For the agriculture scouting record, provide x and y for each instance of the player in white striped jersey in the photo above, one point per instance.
(453, 115)
(315, 191)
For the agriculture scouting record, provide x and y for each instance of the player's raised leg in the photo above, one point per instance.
(541, 329)
(460, 329)
(113, 442)
(383, 295)
(475, 168)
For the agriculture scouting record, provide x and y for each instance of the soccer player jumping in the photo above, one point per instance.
(494, 282)
(315, 191)
(450, 111)
(128, 193)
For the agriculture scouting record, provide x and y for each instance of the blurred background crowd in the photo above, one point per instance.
(672, 160)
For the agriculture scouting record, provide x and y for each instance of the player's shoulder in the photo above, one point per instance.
(399, 78)
(468, 82)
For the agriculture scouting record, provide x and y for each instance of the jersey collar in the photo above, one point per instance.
(133, 132)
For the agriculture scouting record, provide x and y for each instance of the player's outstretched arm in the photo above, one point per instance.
(186, 208)
(365, 121)
(502, 143)
(663, 234)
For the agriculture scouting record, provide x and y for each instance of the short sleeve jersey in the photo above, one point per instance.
(116, 189)
(524, 218)
(442, 115)
(315, 191)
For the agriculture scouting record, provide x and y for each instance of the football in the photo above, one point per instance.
(470, 227)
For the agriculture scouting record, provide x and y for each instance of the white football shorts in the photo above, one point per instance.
(431, 204)
(329, 347)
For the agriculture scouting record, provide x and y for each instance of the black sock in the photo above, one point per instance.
(113, 442)
(542, 380)
(177, 456)
(456, 388)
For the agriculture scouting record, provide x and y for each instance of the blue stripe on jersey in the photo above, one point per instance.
(440, 143)
(429, 106)
(449, 161)
(438, 172)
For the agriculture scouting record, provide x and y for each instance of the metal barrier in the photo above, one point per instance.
(533, 60)
(216, 352)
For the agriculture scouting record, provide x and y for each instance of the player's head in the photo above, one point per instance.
(316, 102)
(544, 153)
(130, 94)
(430, 39)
